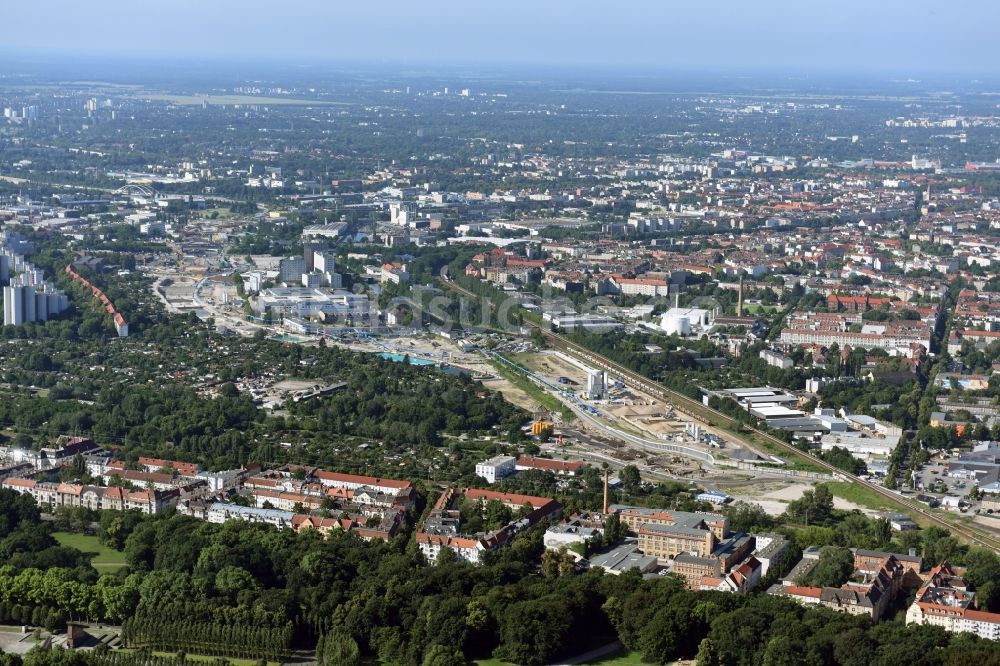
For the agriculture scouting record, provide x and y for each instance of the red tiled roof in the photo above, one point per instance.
(982, 616)
(552, 465)
(363, 480)
(507, 498)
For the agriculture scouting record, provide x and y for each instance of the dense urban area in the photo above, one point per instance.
(363, 368)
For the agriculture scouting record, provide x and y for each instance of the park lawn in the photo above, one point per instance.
(754, 308)
(860, 495)
(104, 559)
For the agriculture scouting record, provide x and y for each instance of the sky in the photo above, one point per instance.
(905, 36)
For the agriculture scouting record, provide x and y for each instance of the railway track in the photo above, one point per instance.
(695, 409)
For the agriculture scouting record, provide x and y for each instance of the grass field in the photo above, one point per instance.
(104, 558)
(860, 495)
(537, 393)
(795, 462)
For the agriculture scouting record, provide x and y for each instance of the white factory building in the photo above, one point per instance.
(686, 321)
(585, 322)
(305, 302)
(597, 385)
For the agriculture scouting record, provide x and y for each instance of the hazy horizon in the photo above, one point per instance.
(916, 38)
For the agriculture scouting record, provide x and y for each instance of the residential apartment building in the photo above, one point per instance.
(221, 512)
(641, 286)
(946, 600)
(878, 578)
(443, 527)
(281, 489)
(496, 468)
(769, 549)
(94, 497)
(271, 499)
(387, 528)
(777, 359)
(356, 481)
(741, 579)
(290, 270)
(901, 338)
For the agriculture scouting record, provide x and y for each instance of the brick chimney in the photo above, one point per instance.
(605, 492)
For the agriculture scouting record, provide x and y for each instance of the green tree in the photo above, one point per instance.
(440, 655)
(629, 476)
(338, 648)
(835, 566)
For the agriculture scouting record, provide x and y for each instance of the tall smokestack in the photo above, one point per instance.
(739, 301)
(605, 492)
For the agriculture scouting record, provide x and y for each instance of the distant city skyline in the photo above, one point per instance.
(915, 36)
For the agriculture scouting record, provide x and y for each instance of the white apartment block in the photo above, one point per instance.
(496, 468)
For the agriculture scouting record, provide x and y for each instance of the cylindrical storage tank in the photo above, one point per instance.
(676, 325)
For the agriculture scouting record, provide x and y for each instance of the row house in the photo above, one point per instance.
(354, 482)
(143, 479)
(221, 512)
(897, 338)
(157, 464)
(97, 498)
(285, 501)
(385, 530)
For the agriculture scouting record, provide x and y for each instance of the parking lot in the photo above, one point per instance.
(933, 479)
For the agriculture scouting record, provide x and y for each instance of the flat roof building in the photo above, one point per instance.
(623, 558)
(496, 468)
